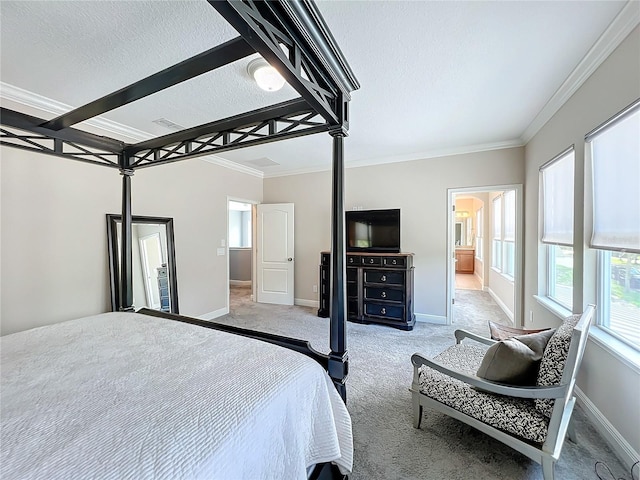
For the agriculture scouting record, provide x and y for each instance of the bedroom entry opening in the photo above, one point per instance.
(240, 235)
(485, 251)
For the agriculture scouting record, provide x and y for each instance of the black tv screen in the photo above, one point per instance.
(373, 230)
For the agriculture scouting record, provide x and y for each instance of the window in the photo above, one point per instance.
(615, 166)
(557, 226)
(479, 233)
(509, 237)
(496, 247)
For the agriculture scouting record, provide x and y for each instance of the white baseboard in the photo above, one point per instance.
(240, 283)
(303, 302)
(438, 319)
(215, 314)
(618, 444)
(501, 304)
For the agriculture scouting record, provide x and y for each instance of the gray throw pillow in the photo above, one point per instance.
(515, 360)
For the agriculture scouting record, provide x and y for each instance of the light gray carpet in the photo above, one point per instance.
(386, 444)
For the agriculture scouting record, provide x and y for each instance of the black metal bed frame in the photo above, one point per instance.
(293, 37)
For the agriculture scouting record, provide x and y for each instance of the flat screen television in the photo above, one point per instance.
(373, 230)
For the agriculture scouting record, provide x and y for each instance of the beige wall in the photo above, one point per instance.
(54, 247)
(418, 188)
(611, 385)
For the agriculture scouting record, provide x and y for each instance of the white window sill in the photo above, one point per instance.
(623, 352)
(554, 307)
(620, 350)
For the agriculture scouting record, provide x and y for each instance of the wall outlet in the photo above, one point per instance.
(221, 251)
(223, 242)
(315, 289)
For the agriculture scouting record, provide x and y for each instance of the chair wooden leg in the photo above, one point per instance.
(548, 468)
(417, 410)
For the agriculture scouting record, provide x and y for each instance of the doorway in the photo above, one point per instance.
(485, 248)
(240, 247)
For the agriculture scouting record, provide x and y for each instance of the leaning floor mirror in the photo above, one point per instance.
(154, 267)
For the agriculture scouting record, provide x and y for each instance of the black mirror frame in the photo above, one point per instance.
(114, 267)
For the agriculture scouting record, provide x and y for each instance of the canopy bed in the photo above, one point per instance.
(293, 37)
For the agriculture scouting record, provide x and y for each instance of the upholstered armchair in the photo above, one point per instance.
(518, 390)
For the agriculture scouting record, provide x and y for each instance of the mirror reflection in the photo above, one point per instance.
(464, 231)
(153, 262)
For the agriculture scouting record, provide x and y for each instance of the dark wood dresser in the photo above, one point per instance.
(379, 288)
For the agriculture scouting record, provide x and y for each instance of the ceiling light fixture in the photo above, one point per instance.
(265, 75)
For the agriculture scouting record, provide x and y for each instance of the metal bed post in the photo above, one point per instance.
(338, 358)
(126, 257)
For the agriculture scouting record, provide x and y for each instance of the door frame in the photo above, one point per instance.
(253, 204)
(518, 260)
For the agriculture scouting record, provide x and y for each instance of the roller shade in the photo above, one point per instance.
(557, 199)
(615, 157)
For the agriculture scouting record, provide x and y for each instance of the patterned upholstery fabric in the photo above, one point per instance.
(553, 361)
(517, 416)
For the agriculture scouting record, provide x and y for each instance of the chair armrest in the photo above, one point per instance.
(556, 391)
(461, 334)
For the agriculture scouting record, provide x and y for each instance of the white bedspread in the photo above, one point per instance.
(124, 395)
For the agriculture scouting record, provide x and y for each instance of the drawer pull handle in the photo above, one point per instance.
(383, 294)
(383, 278)
(371, 260)
(351, 260)
(383, 311)
(394, 261)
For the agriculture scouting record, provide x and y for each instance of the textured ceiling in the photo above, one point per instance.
(435, 76)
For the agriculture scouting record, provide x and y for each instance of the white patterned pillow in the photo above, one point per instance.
(553, 361)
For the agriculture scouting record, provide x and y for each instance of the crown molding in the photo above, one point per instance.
(445, 152)
(33, 100)
(233, 165)
(616, 32)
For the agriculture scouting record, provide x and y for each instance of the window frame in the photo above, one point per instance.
(547, 291)
(616, 342)
(496, 242)
(480, 234)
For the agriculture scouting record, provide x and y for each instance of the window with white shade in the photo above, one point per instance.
(556, 180)
(614, 148)
(496, 242)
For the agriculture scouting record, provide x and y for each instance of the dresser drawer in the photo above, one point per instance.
(399, 262)
(353, 260)
(376, 261)
(352, 274)
(381, 310)
(387, 294)
(352, 289)
(352, 308)
(384, 276)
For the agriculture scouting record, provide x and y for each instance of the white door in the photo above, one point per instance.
(275, 261)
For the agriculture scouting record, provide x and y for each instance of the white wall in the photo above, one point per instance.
(54, 246)
(611, 385)
(418, 188)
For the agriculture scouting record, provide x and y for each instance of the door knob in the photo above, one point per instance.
(289, 259)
